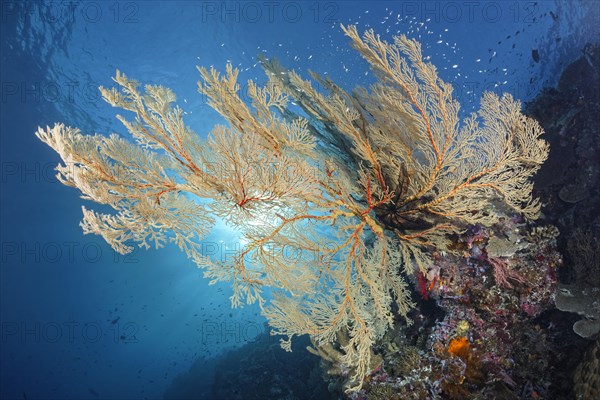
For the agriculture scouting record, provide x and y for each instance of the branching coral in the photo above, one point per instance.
(360, 187)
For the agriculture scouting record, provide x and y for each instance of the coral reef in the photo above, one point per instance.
(496, 303)
(587, 375)
(332, 356)
(582, 248)
(367, 187)
(583, 301)
(568, 184)
(488, 344)
(484, 323)
(569, 181)
(256, 371)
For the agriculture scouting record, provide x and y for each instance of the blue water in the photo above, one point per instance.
(79, 321)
